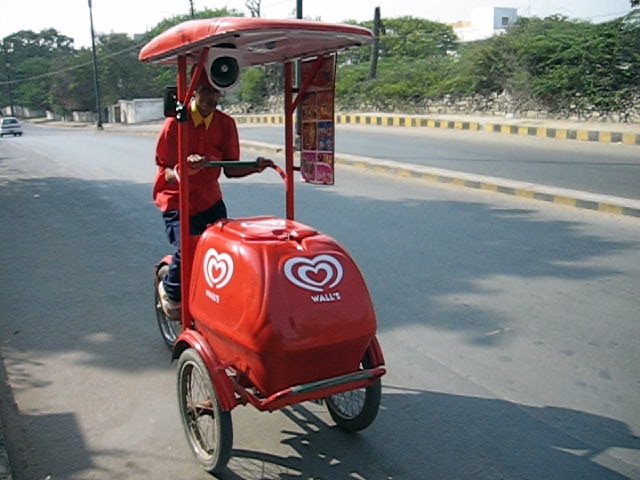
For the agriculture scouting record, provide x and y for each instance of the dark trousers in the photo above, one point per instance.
(198, 223)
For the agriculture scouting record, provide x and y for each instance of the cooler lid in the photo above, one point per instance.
(266, 228)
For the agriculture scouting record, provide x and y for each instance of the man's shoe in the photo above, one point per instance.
(171, 308)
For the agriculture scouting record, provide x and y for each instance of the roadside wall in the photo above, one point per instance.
(137, 111)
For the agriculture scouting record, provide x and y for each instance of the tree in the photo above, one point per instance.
(122, 75)
(405, 37)
(252, 90)
(254, 7)
(71, 83)
(412, 37)
(554, 64)
(30, 56)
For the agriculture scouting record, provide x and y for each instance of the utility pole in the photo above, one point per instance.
(373, 64)
(193, 12)
(8, 67)
(95, 70)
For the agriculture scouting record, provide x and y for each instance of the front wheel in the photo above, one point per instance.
(355, 410)
(208, 428)
(170, 329)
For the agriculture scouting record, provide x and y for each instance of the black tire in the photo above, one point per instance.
(170, 329)
(355, 410)
(209, 429)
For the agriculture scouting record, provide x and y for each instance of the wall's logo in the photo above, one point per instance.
(315, 274)
(266, 224)
(218, 268)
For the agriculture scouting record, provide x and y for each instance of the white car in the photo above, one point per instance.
(10, 126)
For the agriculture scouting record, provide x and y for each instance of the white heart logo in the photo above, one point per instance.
(218, 268)
(313, 273)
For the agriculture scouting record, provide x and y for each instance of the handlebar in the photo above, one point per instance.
(218, 163)
(244, 163)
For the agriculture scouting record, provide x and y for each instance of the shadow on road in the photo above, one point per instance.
(444, 436)
(80, 256)
(73, 245)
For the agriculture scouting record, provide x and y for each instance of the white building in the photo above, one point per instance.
(485, 22)
(137, 111)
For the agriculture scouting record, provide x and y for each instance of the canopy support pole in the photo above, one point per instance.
(185, 227)
(288, 135)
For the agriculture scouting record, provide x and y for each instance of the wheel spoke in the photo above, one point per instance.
(354, 410)
(205, 408)
(209, 429)
(200, 411)
(349, 404)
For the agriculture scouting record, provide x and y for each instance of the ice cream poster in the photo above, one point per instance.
(318, 124)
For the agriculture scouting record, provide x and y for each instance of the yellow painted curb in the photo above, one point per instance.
(628, 138)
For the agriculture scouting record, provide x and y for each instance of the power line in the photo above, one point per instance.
(68, 69)
(608, 15)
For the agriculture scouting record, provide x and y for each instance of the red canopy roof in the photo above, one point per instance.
(257, 40)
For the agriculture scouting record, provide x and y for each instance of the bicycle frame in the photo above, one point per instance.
(276, 312)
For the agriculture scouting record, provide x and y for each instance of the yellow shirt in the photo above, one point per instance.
(197, 117)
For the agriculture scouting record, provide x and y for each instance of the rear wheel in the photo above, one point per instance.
(169, 329)
(208, 428)
(356, 409)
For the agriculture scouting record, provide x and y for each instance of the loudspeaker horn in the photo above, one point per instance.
(224, 72)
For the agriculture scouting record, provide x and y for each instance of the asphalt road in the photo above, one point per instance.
(509, 328)
(606, 169)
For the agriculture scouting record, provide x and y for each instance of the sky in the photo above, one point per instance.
(71, 17)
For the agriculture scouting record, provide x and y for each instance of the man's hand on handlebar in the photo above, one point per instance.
(263, 163)
(235, 171)
(195, 162)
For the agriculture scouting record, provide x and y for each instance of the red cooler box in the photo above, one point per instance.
(283, 303)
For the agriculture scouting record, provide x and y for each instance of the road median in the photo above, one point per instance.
(560, 196)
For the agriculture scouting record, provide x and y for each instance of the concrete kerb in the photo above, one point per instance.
(531, 191)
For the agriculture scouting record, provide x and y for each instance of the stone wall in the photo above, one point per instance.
(492, 106)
